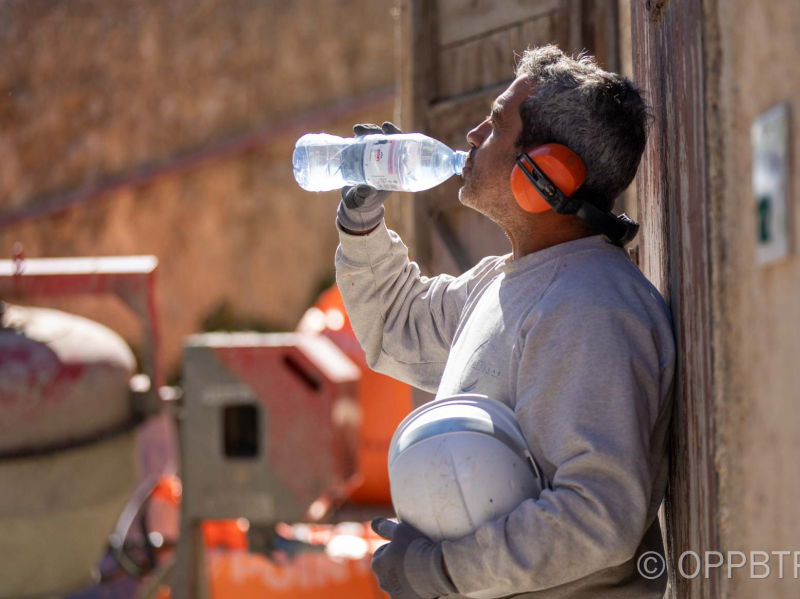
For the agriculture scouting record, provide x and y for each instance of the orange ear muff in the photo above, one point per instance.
(558, 163)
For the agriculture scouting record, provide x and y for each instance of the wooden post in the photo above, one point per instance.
(673, 198)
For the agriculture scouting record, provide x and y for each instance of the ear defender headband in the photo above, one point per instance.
(547, 176)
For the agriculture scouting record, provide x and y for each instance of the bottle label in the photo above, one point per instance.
(380, 163)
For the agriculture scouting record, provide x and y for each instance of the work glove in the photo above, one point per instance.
(361, 208)
(410, 566)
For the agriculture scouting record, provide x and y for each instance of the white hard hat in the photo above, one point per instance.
(457, 462)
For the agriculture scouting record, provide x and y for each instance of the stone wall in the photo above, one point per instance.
(93, 92)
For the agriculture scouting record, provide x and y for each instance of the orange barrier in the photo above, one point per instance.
(384, 401)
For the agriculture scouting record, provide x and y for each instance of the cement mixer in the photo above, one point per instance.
(67, 453)
(68, 420)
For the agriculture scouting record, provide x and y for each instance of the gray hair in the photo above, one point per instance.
(600, 116)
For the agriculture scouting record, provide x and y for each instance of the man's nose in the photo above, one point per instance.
(477, 135)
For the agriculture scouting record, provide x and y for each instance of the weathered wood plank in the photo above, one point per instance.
(668, 62)
(465, 19)
(478, 63)
(601, 26)
(540, 31)
(418, 71)
(451, 119)
(490, 59)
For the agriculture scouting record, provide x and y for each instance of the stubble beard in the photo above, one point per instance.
(482, 199)
(472, 193)
(502, 211)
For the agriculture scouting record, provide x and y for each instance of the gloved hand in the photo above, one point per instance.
(361, 208)
(410, 566)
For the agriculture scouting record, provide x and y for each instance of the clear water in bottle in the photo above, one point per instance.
(402, 162)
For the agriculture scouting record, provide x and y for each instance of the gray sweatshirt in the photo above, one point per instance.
(579, 344)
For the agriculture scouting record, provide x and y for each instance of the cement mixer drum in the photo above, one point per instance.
(67, 454)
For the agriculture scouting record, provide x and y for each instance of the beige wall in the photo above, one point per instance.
(92, 90)
(758, 308)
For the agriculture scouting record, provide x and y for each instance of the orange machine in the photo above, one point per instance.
(312, 559)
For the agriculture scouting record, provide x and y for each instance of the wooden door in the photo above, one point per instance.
(455, 57)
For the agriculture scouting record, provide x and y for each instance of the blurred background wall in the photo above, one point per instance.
(758, 322)
(166, 128)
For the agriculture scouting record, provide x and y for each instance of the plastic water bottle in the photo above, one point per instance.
(401, 162)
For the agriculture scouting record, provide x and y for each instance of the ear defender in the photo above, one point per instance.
(544, 177)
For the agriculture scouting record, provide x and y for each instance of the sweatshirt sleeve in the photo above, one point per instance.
(591, 403)
(405, 322)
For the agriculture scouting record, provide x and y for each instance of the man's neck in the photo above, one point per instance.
(545, 231)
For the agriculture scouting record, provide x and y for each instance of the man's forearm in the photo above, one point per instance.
(404, 322)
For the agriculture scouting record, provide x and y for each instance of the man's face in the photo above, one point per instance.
(486, 175)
